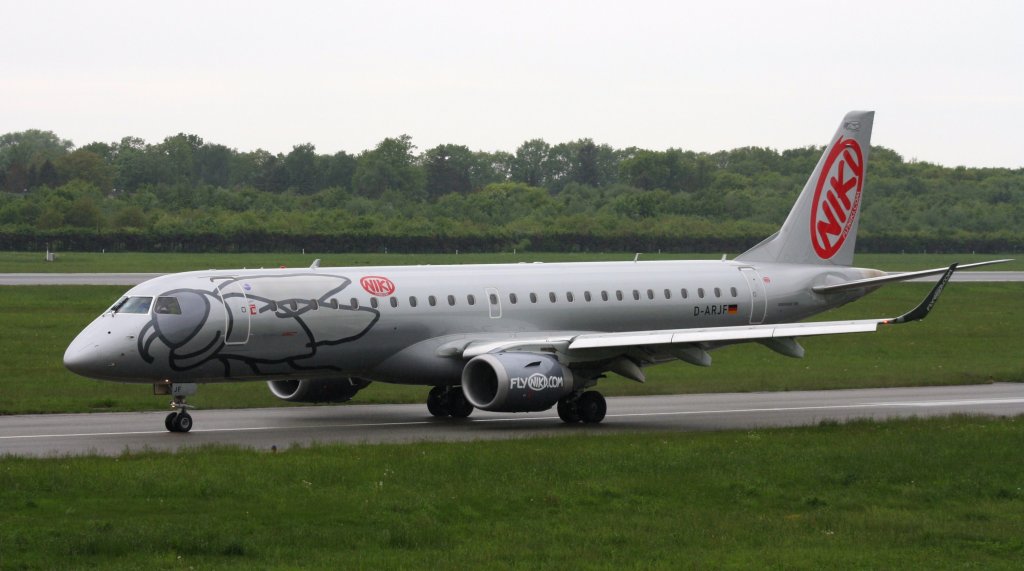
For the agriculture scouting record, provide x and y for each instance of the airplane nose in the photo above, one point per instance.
(82, 358)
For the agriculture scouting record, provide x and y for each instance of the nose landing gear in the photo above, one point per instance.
(179, 420)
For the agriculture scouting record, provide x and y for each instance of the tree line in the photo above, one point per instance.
(186, 194)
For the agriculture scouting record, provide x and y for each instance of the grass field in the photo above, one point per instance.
(915, 494)
(976, 334)
(15, 262)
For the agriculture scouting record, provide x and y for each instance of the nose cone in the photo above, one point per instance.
(82, 356)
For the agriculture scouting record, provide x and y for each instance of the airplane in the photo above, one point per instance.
(498, 337)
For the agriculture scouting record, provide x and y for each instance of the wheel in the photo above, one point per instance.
(183, 422)
(437, 403)
(458, 405)
(169, 422)
(592, 407)
(568, 411)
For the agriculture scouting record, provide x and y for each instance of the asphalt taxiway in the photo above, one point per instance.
(263, 429)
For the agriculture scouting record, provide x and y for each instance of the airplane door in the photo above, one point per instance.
(758, 296)
(493, 302)
(237, 310)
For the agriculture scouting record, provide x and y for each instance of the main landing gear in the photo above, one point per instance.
(587, 407)
(448, 401)
(179, 420)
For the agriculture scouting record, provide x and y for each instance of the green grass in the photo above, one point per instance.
(914, 494)
(74, 262)
(974, 336)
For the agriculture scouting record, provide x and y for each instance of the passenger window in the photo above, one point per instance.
(733, 291)
(513, 298)
(167, 306)
(700, 292)
(313, 304)
(354, 303)
(272, 305)
(552, 297)
(493, 297)
(604, 296)
(650, 294)
(684, 293)
(470, 299)
(412, 301)
(718, 292)
(373, 302)
(334, 303)
(636, 295)
(394, 302)
(569, 297)
(618, 294)
(533, 298)
(668, 293)
(432, 300)
(451, 300)
(586, 295)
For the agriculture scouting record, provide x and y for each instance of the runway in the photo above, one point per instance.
(261, 429)
(135, 279)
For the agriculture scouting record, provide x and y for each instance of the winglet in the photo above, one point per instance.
(925, 307)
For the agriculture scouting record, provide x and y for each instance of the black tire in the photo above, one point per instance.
(568, 412)
(183, 422)
(169, 422)
(592, 407)
(437, 403)
(458, 405)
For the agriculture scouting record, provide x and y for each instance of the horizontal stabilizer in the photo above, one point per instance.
(900, 277)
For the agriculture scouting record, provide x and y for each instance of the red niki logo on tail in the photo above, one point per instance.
(835, 208)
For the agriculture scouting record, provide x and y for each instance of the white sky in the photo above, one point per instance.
(946, 79)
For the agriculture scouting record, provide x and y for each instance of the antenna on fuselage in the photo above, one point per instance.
(315, 264)
(636, 258)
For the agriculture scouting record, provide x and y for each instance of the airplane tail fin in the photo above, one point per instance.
(822, 226)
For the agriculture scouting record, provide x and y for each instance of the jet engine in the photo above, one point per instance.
(515, 382)
(317, 390)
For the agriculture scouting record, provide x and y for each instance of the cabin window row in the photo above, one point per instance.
(553, 297)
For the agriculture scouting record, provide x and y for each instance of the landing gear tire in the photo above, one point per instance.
(183, 423)
(458, 405)
(437, 404)
(178, 422)
(568, 411)
(591, 407)
(449, 401)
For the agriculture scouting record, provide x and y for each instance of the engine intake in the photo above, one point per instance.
(317, 390)
(515, 382)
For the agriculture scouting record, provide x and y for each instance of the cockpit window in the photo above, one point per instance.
(133, 305)
(167, 306)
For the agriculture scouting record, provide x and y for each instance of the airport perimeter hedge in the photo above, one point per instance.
(269, 241)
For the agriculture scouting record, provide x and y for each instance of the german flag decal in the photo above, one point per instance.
(733, 309)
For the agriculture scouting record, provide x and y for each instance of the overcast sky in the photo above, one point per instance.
(946, 79)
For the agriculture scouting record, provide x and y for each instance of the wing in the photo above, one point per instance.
(623, 352)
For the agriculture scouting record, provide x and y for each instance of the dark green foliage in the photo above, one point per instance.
(186, 194)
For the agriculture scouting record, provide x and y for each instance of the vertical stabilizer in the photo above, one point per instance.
(822, 226)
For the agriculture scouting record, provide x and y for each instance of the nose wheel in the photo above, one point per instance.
(179, 420)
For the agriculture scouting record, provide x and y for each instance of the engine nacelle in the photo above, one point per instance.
(515, 382)
(317, 390)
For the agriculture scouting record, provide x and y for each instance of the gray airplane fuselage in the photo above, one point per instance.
(393, 323)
